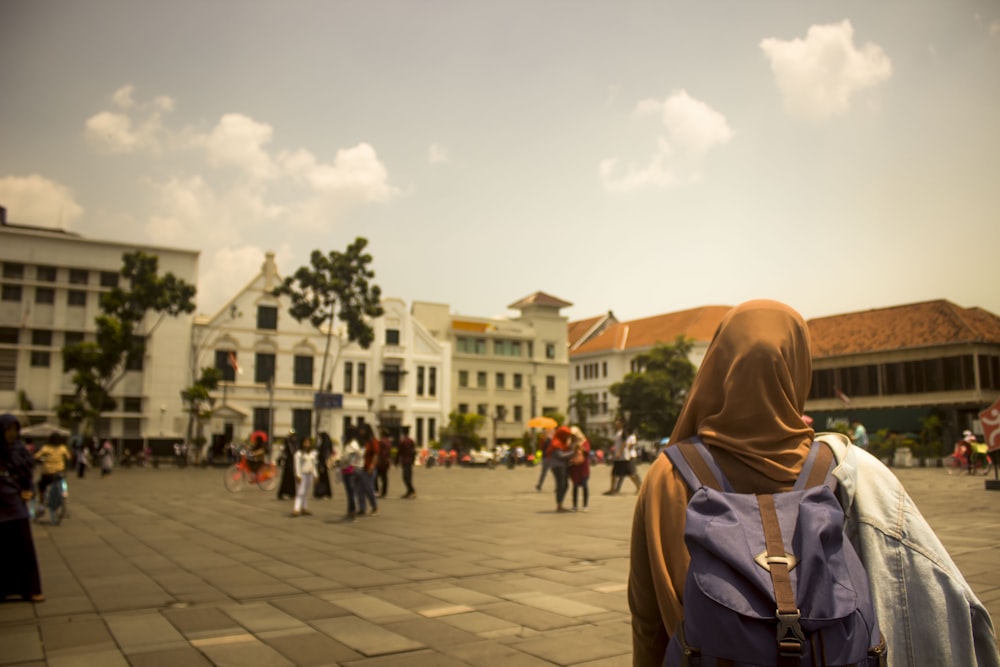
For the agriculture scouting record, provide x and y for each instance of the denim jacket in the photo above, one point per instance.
(925, 608)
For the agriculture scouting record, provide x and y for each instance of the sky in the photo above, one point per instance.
(632, 156)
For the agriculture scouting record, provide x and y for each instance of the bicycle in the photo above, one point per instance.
(56, 499)
(239, 475)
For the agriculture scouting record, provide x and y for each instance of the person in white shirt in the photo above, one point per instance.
(305, 475)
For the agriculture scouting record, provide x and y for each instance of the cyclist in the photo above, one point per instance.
(257, 454)
(53, 456)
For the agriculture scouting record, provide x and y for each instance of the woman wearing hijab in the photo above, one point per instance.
(18, 563)
(558, 455)
(323, 488)
(746, 405)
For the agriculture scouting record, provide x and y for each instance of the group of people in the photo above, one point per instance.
(362, 465)
(566, 454)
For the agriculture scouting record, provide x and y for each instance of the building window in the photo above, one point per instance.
(471, 345)
(78, 276)
(463, 408)
(13, 270)
(392, 336)
(45, 274)
(11, 293)
(8, 370)
(577, 371)
(8, 335)
(420, 432)
(76, 297)
(267, 317)
(362, 377)
(463, 378)
(989, 371)
(224, 361)
(132, 404)
(431, 429)
(391, 378)
(134, 359)
(550, 350)
(303, 370)
(481, 409)
(263, 367)
(41, 359)
(262, 420)
(41, 337)
(518, 380)
(348, 377)
(604, 369)
(550, 382)
(501, 381)
(481, 379)
(518, 414)
(72, 338)
(302, 422)
(109, 279)
(420, 380)
(432, 381)
(45, 295)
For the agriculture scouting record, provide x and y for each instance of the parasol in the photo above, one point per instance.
(542, 422)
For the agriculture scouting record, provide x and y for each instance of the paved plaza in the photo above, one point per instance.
(165, 567)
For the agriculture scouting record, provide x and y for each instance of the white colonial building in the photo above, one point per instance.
(52, 281)
(274, 385)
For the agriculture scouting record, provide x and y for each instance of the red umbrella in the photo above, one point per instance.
(258, 434)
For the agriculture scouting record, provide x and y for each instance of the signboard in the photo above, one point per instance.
(324, 400)
(989, 419)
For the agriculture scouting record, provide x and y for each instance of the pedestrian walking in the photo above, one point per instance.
(107, 458)
(305, 464)
(579, 468)
(351, 459)
(18, 563)
(405, 458)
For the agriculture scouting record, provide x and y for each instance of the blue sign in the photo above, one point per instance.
(324, 400)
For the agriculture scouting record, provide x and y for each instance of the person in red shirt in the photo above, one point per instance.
(366, 486)
(405, 457)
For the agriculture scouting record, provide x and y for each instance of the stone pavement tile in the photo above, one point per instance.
(17, 612)
(556, 604)
(502, 564)
(408, 598)
(308, 607)
(314, 584)
(282, 570)
(175, 657)
(572, 648)
(415, 573)
(451, 567)
(261, 617)
(529, 616)
(576, 579)
(432, 632)
(624, 660)
(241, 582)
(309, 647)
(358, 576)
(460, 595)
(365, 637)
(20, 643)
(606, 601)
(369, 607)
(103, 658)
(198, 622)
(413, 659)
(139, 632)
(75, 634)
(490, 654)
(248, 651)
(74, 605)
(483, 625)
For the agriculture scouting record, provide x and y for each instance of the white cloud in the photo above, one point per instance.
(238, 141)
(35, 200)
(355, 171)
(692, 129)
(818, 75)
(437, 154)
(132, 127)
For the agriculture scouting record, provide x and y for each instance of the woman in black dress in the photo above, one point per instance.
(287, 486)
(18, 563)
(323, 488)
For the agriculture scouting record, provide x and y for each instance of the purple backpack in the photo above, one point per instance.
(773, 579)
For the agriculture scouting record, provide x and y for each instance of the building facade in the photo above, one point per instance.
(52, 282)
(272, 364)
(604, 351)
(507, 370)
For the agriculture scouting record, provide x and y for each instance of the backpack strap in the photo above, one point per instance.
(695, 464)
(817, 469)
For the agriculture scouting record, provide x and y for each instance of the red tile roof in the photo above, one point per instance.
(908, 326)
(540, 299)
(697, 323)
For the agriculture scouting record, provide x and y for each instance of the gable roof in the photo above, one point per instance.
(540, 299)
(939, 322)
(697, 323)
(579, 332)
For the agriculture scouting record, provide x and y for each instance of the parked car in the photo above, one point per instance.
(482, 457)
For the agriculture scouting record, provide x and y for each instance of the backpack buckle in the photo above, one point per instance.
(790, 636)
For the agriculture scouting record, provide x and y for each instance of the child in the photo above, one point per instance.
(305, 474)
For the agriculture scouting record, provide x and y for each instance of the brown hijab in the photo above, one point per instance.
(749, 393)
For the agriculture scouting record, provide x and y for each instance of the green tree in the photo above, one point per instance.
(463, 430)
(198, 401)
(129, 316)
(335, 286)
(651, 399)
(582, 406)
